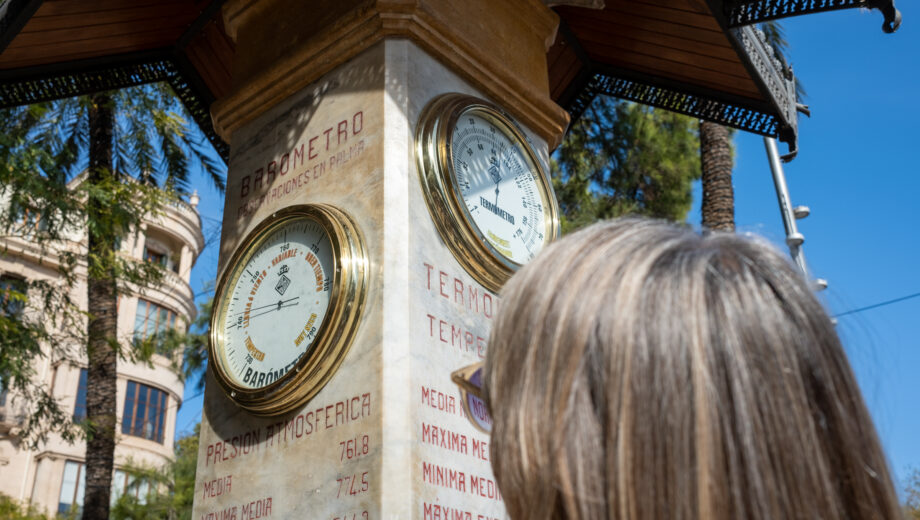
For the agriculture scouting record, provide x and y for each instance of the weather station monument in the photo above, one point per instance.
(387, 173)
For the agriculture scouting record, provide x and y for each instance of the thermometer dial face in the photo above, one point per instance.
(498, 183)
(488, 195)
(278, 300)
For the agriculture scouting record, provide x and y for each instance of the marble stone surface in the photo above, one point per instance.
(424, 317)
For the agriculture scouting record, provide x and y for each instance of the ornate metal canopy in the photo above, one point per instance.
(703, 58)
(746, 12)
(60, 48)
(766, 105)
(45, 83)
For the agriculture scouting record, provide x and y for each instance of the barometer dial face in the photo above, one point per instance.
(487, 192)
(287, 308)
(286, 280)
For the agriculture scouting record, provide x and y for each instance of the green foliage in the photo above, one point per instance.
(171, 495)
(152, 135)
(155, 504)
(13, 510)
(184, 468)
(188, 350)
(172, 487)
(624, 158)
(45, 212)
(912, 496)
(195, 344)
(50, 314)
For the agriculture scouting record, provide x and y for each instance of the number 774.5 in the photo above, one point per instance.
(349, 485)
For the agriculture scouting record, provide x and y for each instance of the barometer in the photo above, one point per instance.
(487, 192)
(287, 308)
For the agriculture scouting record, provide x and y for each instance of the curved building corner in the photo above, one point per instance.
(148, 395)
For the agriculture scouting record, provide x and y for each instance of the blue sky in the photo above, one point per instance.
(857, 172)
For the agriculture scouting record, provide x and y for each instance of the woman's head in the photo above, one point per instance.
(638, 370)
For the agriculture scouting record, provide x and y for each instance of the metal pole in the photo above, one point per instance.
(794, 239)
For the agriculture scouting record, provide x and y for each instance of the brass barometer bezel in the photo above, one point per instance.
(451, 217)
(334, 335)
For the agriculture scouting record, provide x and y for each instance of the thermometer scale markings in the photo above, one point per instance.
(491, 177)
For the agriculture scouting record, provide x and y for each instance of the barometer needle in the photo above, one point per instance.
(279, 303)
(278, 308)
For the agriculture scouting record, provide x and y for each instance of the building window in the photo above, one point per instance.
(152, 318)
(74, 483)
(12, 291)
(145, 412)
(72, 487)
(3, 392)
(157, 256)
(32, 221)
(124, 483)
(79, 408)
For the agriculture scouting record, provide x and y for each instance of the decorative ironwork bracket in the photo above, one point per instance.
(775, 79)
(746, 12)
(624, 85)
(773, 76)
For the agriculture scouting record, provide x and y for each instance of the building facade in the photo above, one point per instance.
(52, 476)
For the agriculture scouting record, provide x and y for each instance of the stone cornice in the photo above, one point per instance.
(500, 51)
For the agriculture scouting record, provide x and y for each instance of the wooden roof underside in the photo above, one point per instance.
(677, 39)
(672, 54)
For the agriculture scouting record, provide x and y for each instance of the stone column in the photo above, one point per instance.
(331, 118)
(140, 241)
(185, 262)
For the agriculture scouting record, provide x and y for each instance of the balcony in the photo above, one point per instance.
(186, 210)
(181, 219)
(174, 283)
(172, 287)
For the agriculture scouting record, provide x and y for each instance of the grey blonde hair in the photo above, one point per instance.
(638, 370)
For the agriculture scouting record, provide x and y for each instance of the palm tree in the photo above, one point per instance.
(134, 140)
(716, 161)
(718, 207)
(102, 300)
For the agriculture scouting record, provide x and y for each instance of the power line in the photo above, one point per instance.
(197, 395)
(192, 420)
(877, 305)
(177, 403)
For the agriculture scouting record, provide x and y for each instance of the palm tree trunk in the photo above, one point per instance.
(716, 161)
(102, 328)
